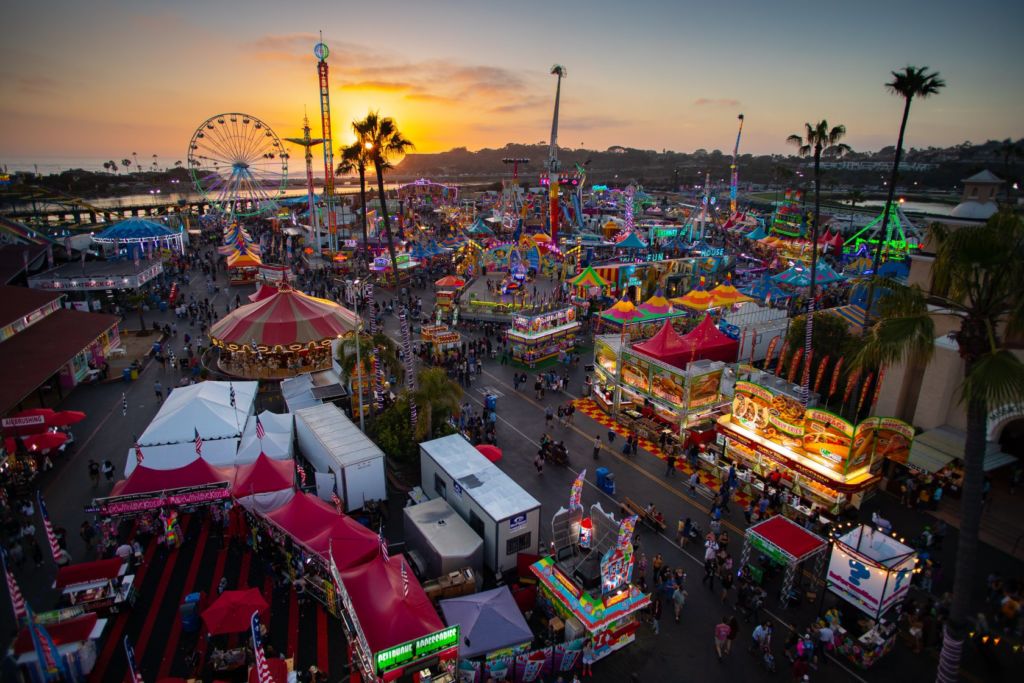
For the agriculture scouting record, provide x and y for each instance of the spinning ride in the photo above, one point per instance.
(237, 163)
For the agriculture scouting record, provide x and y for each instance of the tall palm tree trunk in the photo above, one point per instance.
(809, 331)
(883, 230)
(387, 225)
(362, 200)
(955, 632)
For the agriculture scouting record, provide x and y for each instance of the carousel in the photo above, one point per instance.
(281, 335)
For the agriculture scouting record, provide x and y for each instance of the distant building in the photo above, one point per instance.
(979, 199)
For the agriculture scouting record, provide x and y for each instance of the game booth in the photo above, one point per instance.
(872, 571)
(539, 337)
(785, 543)
(103, 586)
(75, 641)
(818, 461)
(586, 588)
(445, 292)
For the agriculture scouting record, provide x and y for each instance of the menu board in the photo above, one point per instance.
(606, 357)
(666, 385)
(776, 417)
(828, 439)
(635, 372)
(704, 389)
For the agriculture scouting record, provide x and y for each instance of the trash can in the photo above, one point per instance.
(605, 480)
(135, 373)
(491, 402)
(189, 612)
(163, 306)
(126, 375)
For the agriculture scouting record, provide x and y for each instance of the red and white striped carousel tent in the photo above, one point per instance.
(286, 321)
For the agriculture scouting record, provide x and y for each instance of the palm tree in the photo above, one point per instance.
(818, 139)
(437, 398)
(107, 166)
(386, 354)
(978, 274)
(356, 157)
(910, 83)
(126, 163)
(135, 158)
(384, 142)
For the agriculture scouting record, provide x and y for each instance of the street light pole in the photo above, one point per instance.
(359, 363)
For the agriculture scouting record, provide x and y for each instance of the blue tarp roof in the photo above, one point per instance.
(479, 228)
(489, 621)
(762, 289)
(631, 242)
(757, 233)
(134, 229)
(800, 276)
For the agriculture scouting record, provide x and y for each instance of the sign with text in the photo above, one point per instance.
(418, 649)
(827, 439)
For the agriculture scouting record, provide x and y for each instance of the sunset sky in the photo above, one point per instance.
(109, 77)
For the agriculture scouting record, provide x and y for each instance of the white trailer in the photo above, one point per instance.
(334, 445)
(755, 327)
(494, 506)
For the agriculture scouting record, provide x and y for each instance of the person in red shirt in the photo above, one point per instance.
(800, 669)
(722, 631)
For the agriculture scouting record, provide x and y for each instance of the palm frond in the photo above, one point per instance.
(997, 378)
(897, 339)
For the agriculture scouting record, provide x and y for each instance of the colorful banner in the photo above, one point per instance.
(864, 392)
(820, 377)
(782, 356)
(532, 665)
(834, 384)
(776, 417)
(626, 528)
(576, 493)
(828, 439)
(794, 365)
(704, 389)
(851, 382)
(893, 439)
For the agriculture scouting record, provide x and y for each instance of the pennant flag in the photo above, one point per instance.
(405, 580)
(124, 404)
(576, 493)
(231, 394)
(336, 501)
(822, 367)
(864, 391)
(771, 351)
(260, 433)
(782, 356)
(17, 601)
(50, 536)
(133, 668)
(199, 443)
(138, 454)
(383, 547)
(878, 387)
(262, 668)
(794, 365)
(834, 384)
(851, 382)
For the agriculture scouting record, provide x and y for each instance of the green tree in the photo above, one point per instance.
(356, 157)
(818, 140)
(392, 431)
(978, 275)
(385, 143)
(437, 398)
(386, 353)
(910, 83)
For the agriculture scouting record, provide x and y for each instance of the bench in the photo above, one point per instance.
(634, 508)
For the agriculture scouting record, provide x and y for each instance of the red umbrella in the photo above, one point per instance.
(232, 611)
(45, 413)
(65, 418)
(45, 442)
(492, 453)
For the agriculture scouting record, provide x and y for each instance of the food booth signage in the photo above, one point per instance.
(415, 650)
(184, 497)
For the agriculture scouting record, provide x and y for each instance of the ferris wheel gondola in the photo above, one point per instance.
(238, 164)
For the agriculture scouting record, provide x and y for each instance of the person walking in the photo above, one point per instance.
(158, 389)
(656, 614)
(679, 596)
(108, 470)
(538, 462)
(670, 465)
(94, 473)
(588, 659)
(734, 631)
(721, 632)
(548, 416)
(597, 446)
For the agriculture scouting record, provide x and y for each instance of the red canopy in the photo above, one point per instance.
(71, 631)
(264, 292)
(492, 453)
(146, 480)
(37, 443)
(232, 611)
(317, 526)
(287, 317)
(788, 536)
(703, 342)
(389, 617)
(87, 572)
(51, 418)
(450, 281)
(262, 476)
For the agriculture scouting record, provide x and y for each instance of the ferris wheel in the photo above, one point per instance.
(238, 163)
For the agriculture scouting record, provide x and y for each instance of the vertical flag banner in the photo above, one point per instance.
(139, 457)
(260, 433)
(820, 377)
(383, 547)
(805, 379)
(878, 387)
(124, 404)
(14, 592)
(794, 364)
(51, 660)
(50, 536)
(302, 476)
(771, 351)
(199, 443)
(405, 580)
(782, 356)
(576, 493)
(864, 391)
(261, 666)
(851, 382)
(834, 384)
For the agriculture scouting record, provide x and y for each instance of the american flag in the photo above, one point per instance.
(50, 536)
(384, 547)
(336, 501)
(231, 394)
(133, 668)
(260, 432)
(46, 651)
(139, 457)
(199, 443)
(405, 580)
(17, 601)
(262, 668)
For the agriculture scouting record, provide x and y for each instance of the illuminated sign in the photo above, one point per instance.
(414, 650)
(566, 582)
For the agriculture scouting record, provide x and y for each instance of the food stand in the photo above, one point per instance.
(446, 290)
(872, 571)
(103, 586)
(786, 543)
(440, 336)
(813, 458)
(542, 336)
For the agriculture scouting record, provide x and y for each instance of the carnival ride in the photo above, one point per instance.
(553, 165)
(321, 52)
(308, 143)
(238, 164)
(734, 176)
